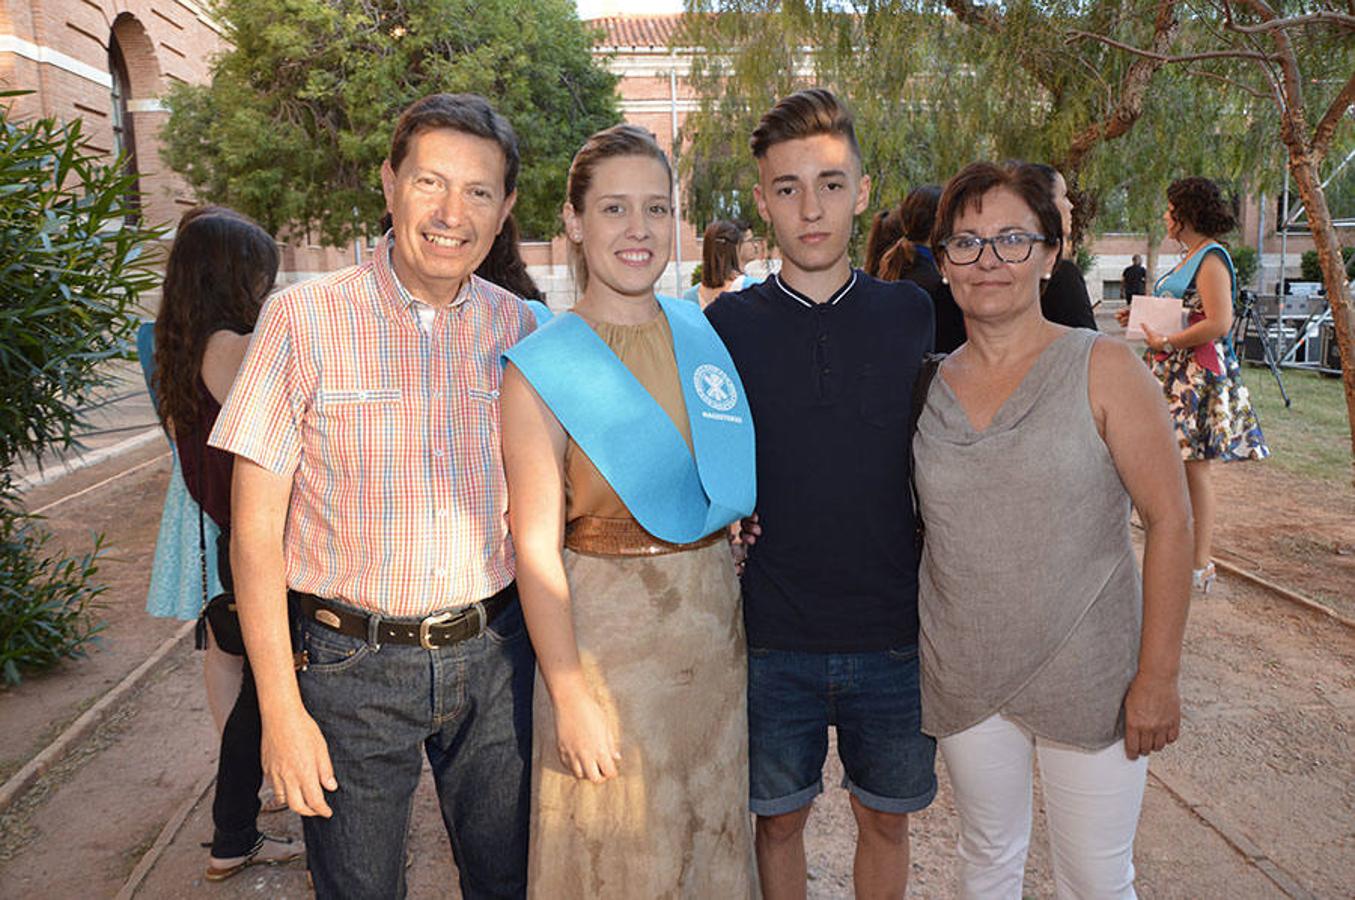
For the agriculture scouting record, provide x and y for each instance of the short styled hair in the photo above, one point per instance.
(969, 186)
(804, 114)
(467, 113)
(1199, 203)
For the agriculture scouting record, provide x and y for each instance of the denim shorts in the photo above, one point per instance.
(874, 702)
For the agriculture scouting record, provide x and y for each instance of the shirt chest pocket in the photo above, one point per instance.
(359, 429)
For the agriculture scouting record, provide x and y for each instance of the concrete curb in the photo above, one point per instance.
(1188, 794)
(21, 780)
(167, 836)
(1286, 593)
(85, 460)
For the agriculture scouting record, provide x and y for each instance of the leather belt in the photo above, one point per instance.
(431, 632)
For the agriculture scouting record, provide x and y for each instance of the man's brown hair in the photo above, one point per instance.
(804, 114)
(467, 113)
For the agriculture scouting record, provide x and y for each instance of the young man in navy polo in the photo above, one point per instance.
(828, 356)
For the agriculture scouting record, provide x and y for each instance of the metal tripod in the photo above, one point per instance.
(1250, 318)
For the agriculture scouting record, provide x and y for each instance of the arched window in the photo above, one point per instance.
(124, 138)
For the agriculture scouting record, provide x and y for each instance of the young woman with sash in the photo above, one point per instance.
(629, 447)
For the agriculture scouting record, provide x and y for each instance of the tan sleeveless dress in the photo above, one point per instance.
(660, 635)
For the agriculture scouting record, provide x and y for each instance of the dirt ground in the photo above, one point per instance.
(1258, 795)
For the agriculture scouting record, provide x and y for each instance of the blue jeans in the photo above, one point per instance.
(874, 701)
(469, 707)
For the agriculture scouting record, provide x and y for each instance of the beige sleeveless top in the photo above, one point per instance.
(1029, 593)
(647, 351)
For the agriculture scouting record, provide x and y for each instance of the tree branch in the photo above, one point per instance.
(1326, 128)
(1166, 58)
(1340, 20)
(1133, 87)
(1259, 95)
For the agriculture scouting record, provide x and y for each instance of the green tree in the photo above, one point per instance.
(298, 115)
(935, 86)
(74, 263)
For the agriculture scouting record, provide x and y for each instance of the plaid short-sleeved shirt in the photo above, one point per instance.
(390, 432)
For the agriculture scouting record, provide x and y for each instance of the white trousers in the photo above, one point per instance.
(1092, 802)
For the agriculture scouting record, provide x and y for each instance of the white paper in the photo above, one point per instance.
(1164, 315)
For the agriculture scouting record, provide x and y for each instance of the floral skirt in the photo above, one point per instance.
(1211, 413)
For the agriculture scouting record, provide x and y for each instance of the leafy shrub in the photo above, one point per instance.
(1245, 262)
(72, 266)
(46, 600)
(1085, 259)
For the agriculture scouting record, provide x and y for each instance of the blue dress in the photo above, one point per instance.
(176, 574)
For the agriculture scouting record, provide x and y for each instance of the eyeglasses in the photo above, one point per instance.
(1008, 247)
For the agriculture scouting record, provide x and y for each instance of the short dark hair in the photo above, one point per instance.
(720, 252)
(468, 113)
(804, 114)
(619, 140)
(1199, 203)
(975, 180)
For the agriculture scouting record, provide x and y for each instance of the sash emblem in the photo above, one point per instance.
(715, 387)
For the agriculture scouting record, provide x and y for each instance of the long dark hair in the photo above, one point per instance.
(220, 269)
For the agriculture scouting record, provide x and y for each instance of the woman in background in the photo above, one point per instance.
(1064, 299)
(220, 269)
(722, 260)
(1211, 411)
(911, 259)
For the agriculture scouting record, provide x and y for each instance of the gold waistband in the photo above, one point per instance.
(596, 536)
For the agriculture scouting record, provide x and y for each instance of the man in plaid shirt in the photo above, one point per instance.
(369, 492)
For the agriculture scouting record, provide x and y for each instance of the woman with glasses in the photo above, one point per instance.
(1039, 641)
(1210, 408)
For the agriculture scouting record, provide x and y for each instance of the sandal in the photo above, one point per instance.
(1203, 580)
(267, 851)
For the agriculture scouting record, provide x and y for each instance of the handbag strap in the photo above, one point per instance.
(931, 364)
(200, 632)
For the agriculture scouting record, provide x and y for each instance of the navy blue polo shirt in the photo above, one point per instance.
(830, 386)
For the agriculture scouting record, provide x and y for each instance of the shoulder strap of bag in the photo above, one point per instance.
(200, 632)
(931, 364)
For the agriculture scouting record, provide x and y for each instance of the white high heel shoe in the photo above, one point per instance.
(1203, 580)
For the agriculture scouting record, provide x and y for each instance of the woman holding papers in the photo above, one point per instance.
(629, 447)
(1040, 645)
(1209, 405)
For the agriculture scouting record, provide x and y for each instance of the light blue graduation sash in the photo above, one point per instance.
(540, 311)
(632, 441)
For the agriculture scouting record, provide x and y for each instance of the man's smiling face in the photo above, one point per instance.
(447, 203)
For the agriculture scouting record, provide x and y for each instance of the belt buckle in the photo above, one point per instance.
(442, 618)
(426, 626)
